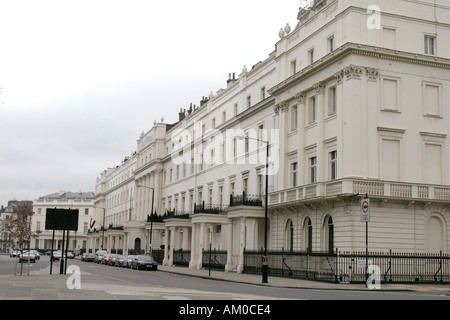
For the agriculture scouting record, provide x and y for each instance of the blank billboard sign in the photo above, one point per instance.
(61, 219)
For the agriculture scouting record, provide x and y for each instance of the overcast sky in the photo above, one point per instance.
(81, 79)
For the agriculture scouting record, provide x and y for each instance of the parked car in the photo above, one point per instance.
(121, 260)
(37, 254)
(105, 258)
(128, 260)
(90, 257)
(144, 262)
(13, 253)
(99, 254)
(83, 256)
(112, 259)
(59, 254)
(27, 256)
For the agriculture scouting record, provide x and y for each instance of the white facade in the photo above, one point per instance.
(42, 239)
(353, 101)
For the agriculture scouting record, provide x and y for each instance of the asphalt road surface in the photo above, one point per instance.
(169, 286)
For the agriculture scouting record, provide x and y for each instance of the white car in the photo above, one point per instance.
(59, 254)
(27, 256)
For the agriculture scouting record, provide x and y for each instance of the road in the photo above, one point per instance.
(169, 286)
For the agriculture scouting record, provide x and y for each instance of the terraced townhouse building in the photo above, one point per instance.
(354, 101)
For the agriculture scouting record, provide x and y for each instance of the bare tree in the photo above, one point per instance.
(20, 223)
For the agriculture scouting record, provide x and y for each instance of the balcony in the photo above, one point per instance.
(245, 200)
(373, 188)
(210, 209)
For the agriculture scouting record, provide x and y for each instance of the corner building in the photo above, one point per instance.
(353, 102)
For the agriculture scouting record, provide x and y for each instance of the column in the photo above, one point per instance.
(172, 243)
(242, 241)
(166, 247)
(229, 265)
(201, 241)
(194, 248)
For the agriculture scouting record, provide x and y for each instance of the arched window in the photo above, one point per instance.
(137, 244)
(289, 236)
(328, 234)
(307, 232)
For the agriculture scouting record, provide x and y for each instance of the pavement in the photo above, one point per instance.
(40, 285)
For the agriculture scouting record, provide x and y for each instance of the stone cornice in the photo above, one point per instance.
(362, 50)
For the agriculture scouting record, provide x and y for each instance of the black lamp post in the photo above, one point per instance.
(103, 226)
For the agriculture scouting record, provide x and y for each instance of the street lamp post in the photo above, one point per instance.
(103, 226)
(151, 215)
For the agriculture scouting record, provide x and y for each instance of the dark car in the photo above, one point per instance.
(121, 261)
(130, 258)
(144, 262)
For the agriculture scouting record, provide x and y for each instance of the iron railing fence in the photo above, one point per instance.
(350, 266)
(182, 258)
(396, 267)
(158, 255)
(214, 259)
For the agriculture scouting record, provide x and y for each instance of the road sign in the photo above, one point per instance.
(365, 210)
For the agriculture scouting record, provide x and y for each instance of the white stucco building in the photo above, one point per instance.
(353, 101)
(41, 238)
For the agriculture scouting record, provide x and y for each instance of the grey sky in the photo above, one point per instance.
(81, 79)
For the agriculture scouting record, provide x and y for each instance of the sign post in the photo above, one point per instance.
(61, 220)
(365, 217)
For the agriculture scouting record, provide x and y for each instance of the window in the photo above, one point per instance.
(235, 109)
(333, 165)
(263, 93)
(260, 185)
(220, 196)
(261, 134)
(430, 45)
(232, 188)
(331, 44)
(311, 56)
(332, 101)
(294, 172)
(312, 110)
(249, 101)
(224, 116)
(245, 185)
(294, 118)
(293, 67)
(313, 170)
(289, 236)
(213, 123)
(86, 211)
